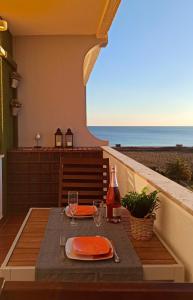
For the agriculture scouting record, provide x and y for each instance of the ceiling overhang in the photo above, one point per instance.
(61, 17)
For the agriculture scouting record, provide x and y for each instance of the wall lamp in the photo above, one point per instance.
(3, 24)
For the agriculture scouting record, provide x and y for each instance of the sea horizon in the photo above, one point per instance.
(140, 125)
(144, 135)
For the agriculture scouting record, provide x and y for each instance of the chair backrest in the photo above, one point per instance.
(88, 176)
(38, 290)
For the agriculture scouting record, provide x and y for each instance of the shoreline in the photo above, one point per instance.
(177, 148)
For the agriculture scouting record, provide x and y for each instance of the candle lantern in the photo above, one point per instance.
(58, 138)
(69, 139)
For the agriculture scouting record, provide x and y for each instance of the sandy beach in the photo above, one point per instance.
(154, 157)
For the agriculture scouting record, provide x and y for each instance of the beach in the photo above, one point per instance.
(157, 158)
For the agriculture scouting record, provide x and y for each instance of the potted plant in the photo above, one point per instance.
(15, 107)
(15, 79)
(142, 208)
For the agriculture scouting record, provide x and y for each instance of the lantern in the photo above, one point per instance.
(69, 139)
(58, 138)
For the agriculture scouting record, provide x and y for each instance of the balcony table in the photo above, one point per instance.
(158, 262)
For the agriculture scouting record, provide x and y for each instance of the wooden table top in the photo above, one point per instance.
(27, 248)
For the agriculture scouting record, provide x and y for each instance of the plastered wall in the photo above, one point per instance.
(52, 90)
(174, 220)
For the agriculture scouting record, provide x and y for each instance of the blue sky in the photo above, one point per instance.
(145, 74)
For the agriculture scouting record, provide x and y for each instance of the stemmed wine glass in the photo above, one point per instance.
(73, 204)
(37, 139)
(98, 213)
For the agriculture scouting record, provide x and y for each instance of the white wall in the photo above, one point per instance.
(174, 220)
(52, 91)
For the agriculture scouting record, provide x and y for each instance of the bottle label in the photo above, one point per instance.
(116, 212)
(113, 199)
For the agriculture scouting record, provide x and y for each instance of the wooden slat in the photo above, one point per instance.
(152, 261)
(67, 185)
(85, 193)
(155, 253)
(86, 161)
(28, 245)
(84, 177)
(24, 257)
(27, 263)
(9, 226)
(152, 243)
(83, 201)
(74, 170)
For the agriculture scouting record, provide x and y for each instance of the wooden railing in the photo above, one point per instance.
(132, 291)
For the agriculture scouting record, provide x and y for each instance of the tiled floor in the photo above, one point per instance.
(9, 227)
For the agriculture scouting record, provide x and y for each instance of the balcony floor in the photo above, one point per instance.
(9, 227)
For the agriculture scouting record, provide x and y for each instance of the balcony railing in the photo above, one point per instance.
(174, 222)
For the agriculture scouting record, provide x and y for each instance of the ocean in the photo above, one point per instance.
(145, 135)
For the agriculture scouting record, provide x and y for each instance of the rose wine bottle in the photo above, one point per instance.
(113, 200)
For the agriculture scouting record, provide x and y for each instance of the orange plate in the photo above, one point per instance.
(85, 210)
(90, 245)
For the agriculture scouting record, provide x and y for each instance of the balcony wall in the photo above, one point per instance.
(174, 221)
(52, 90)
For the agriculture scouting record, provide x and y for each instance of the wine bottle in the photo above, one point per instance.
(113, 200)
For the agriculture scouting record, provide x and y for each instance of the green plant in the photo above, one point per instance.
(158, 170)
(141, 204)
(15, 103)
(178, 170)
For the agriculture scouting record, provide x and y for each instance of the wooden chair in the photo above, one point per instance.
(114, 291)
(88, 176)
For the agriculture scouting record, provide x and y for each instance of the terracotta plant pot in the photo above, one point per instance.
(15, 79)
(15, 110)
(142, 228)
(14, 83)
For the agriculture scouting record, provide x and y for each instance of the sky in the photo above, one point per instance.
(145, 74)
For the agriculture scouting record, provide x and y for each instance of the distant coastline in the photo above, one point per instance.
(145, 136)
(177, 148)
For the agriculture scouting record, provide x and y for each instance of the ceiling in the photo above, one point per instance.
(51, 17)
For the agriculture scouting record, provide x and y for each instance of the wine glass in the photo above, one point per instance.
(73, 203)
(98, 213)
(37, 139)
